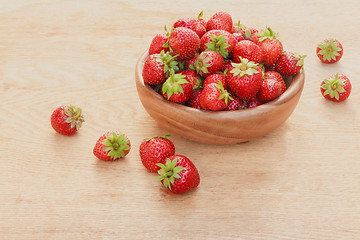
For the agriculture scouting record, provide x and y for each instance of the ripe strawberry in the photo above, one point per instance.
(184, 42)
(192, 24)
(235, 104)
(215, 78)
(157, 44)
(337, 88)
(177, 87)
(226, 66)
(247, 49)
(270, 45)
(289, 63)
(208, 62)
(155, 150)
(219, 41)
(66, 120)
(253, 102)
(112, 146)
(238, 37)
(157, 67)
(190, 62)
(244, 79)
(250, 34)
(214, 97)
(221, 21)
(194, 99)
(178, 174)
(193, 78)
(329, 51)
(272, 87)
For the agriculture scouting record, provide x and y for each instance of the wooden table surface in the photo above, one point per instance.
(301, 181)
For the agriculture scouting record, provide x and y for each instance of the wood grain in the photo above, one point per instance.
(301, 181)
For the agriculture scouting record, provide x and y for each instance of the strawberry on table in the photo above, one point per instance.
(329, 51)
(289, 63)
(155, 150)
(67, 120)
(214, 97)
(219, 41)
(178, 174)
(184, 42)
(208, 62)
(270, 45)
(177, 88)
(337, 88)
(112, 146)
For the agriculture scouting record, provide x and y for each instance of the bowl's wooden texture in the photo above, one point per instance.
(223, 127)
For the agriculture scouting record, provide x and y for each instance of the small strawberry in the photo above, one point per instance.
(66, 120)
(155, 150)
(270, 45)
(250, 34)
(157, 67)
(277, 77)
(178, 174)
(271, 87)
(184, 42)
(192, 24)
(214, 97)
(247, 49)
(289, 63)
(112, 146)
(219, 41)
(220, 21)
(157, 44)
(177, 88)
(194, 99)
(337, 88)
(329, 51)
(215, 78)
(244, 79)
(235, 104)
(208, 62)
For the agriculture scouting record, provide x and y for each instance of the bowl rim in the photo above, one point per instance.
(295, 86)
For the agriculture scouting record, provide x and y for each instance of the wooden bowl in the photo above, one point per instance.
(222, 127)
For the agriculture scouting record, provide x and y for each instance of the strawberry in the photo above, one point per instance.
(66, 120)
(289, 63)
(272, 87)
(178, 174)
(238, 37)
(193, 78)
(155, 150)
(112, 146)
(253, 102)
(337, 88)
(220, 21)
(235, 104)
(215, 78)
(177, 87)
(219, 41)
(226, 66)
(247, 49)
(190, 62)
(157, 44)
(194, 99)
(329, 51)
(208, 62)
(269, 68)
(244, 78)
(214, 97)
(192, 24)
(250, 34)
(184, 42)
(270, 45)
(157, 67)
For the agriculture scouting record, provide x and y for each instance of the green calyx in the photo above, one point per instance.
(329, 50)
(167, 136)
(115, 145)
(333, 86)
(223, 93)
(169, 172)
(169, 61)
(74, 117)
(172, 85)
(201, 64)
(239, 27)
(300, 59)
(245, 67)
(268, 33)
(218, 44)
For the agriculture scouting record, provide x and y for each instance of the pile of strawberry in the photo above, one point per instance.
(216, 65)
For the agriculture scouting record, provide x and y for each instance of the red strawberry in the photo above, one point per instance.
(208, 62)
(271, 47)
(238, 37)
(179, 174)
(192, 24)
(235, 104)
(190, 62)
(221, 21)
(177, 87)
(184, 42)
(214, 97)
(192, 77)
(253, 102)
(244, 79)
(155, 150)
(219, 41)
(157, 44)
(337, 88)
(66, 120)
(112, 146)
(247, 49)
(226, 66)
(271, 87)
(157, 67)
(289, 63)
(215, 78)
(250, 34)
(329, 51)
(194, 99)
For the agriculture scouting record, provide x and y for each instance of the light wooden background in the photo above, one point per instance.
(301, 181)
